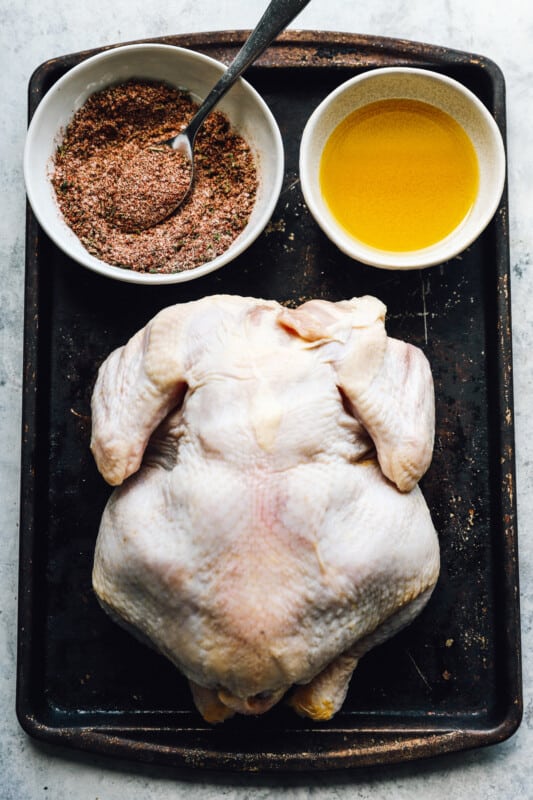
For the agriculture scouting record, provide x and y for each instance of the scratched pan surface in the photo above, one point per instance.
(450, 681)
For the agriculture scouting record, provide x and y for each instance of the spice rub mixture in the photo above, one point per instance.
(94, 175)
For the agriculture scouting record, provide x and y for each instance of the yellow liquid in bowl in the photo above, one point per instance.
(399, 174)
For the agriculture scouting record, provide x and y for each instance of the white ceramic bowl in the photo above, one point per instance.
(181, 68)
(430, 87)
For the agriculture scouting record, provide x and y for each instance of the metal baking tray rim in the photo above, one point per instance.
(366, 747)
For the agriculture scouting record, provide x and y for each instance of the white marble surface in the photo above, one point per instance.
(35, 30)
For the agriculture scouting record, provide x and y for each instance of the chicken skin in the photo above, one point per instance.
(267, 528)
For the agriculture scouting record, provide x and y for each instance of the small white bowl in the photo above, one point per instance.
(430, 87)
(181, 68)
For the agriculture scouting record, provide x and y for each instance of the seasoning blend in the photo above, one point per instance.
(141, 191)
(109, 176)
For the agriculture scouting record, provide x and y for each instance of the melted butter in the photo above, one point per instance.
(399, 174)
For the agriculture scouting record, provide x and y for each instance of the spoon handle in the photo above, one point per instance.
(276, 17)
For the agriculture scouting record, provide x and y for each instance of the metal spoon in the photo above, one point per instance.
(277, 16)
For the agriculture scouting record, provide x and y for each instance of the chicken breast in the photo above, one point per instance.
(267, 529)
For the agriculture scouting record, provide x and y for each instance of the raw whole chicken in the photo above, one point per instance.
(268, 529)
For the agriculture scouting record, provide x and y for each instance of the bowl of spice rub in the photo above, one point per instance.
(402, 168)
(95, 160)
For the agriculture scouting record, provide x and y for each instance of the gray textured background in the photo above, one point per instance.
(36, 30)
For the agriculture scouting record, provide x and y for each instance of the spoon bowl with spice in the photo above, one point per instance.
(93, 123)
(168, 166)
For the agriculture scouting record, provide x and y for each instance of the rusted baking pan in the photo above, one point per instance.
(448, 682)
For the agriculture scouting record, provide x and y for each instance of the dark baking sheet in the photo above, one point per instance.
(451, 680)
